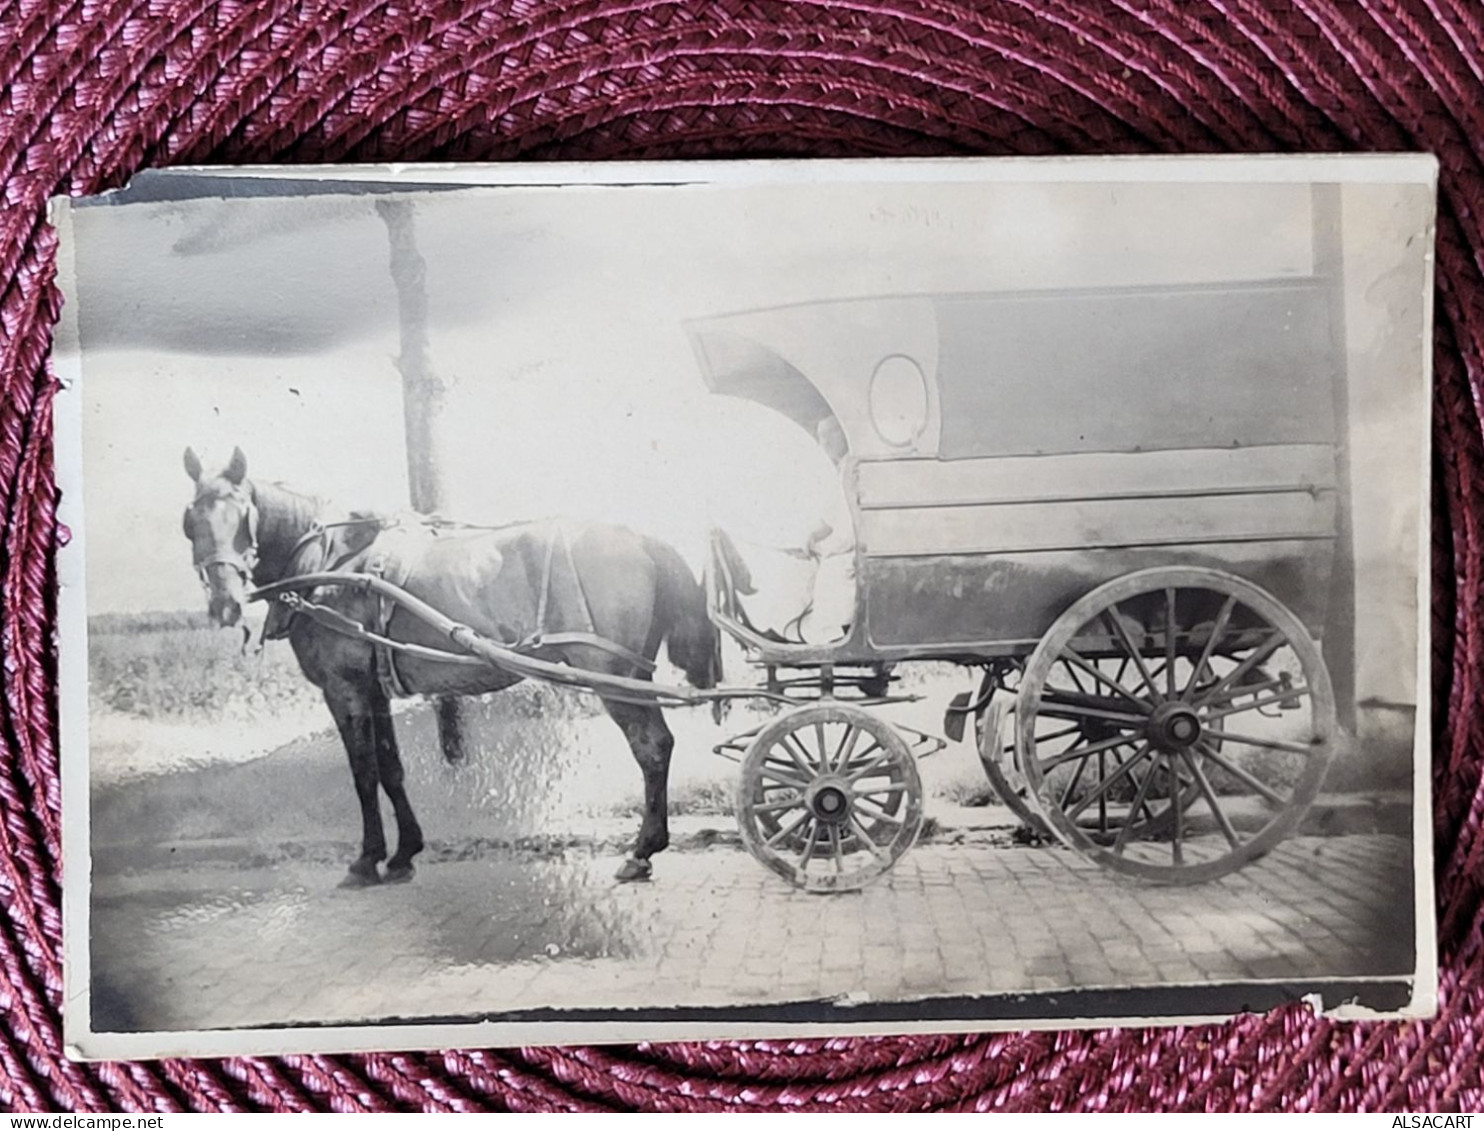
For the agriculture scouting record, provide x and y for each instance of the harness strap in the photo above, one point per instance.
(247, 561)
(590, 640)
(386, 666)
(348, 626)
(281, 616)
(545, 587)
(587, 611)
(541, 638)
(319, 532)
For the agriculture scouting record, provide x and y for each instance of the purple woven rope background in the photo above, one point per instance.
(93, 90)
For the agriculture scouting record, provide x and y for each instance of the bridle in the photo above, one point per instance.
(246, 561)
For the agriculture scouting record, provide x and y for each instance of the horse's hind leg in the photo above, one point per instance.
(650, 740)
(355, 718)
(389, 766)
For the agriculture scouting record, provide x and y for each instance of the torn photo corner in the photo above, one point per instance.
(598, 603)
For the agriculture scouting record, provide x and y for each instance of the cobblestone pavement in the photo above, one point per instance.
(238, 943)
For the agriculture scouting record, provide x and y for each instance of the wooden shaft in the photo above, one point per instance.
(467, 640)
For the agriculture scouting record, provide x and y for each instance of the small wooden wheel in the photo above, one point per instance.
(1175, 724)
(829, 797)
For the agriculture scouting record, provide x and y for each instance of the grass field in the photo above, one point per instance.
(169, 691)
(177, 667)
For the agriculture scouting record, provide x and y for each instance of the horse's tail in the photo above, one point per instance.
(693, 644)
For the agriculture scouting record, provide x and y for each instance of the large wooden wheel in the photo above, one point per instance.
(1175, 724)
(829, 797)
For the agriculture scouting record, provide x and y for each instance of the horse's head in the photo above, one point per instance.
(222, 524)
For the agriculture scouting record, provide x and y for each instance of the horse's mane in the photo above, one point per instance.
(284, 507)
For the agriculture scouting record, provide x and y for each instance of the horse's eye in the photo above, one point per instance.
(188, 523)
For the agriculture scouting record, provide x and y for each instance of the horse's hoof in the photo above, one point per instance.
(400, 874)
(634, 871)
(360, 878)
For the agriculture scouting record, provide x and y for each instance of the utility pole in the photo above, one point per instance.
(1326, 203)
(423, 395)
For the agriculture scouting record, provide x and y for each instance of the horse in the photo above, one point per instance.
(558, 586)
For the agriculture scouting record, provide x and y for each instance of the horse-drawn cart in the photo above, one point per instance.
(1119, 509)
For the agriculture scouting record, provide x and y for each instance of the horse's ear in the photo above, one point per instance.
(193, 464)
(236, 470)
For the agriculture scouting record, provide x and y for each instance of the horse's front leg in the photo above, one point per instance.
(389, 768)
(651, 741)
(354, 711)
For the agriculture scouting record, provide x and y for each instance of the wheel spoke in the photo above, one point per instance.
(811, 842)
(1071, 730)
(800, 757)
(845, 749)
(1111, 780)
(885, 790)
(780, 806)
(787, 830)
(1170, 641)
(857, 757)
(1071, 656)
(1258, 655)
(1261, 743)
(869, 768)
(1066, 794)
(1084, 752)
(1235, 693)
(876, 813)
(1140, 802)
(1204, 784)
(1066, 663)
(865, 838)
(1056, 708)
(1111, 617)
(1295, 692)
(1157, 672)
(837, 848)
(775, 775)
(1134, 810)
(1177, 842)
(1102, 801)
(824, 748)
(1243, 776)
(1217, 631)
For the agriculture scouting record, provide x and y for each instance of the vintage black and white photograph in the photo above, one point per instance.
(742, 600)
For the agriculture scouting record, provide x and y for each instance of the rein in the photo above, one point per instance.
(318, 530)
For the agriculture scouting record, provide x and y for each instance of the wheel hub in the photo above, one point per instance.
(828, 799)
(1174, 727)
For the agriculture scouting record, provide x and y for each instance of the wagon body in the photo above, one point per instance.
(1011, 452)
